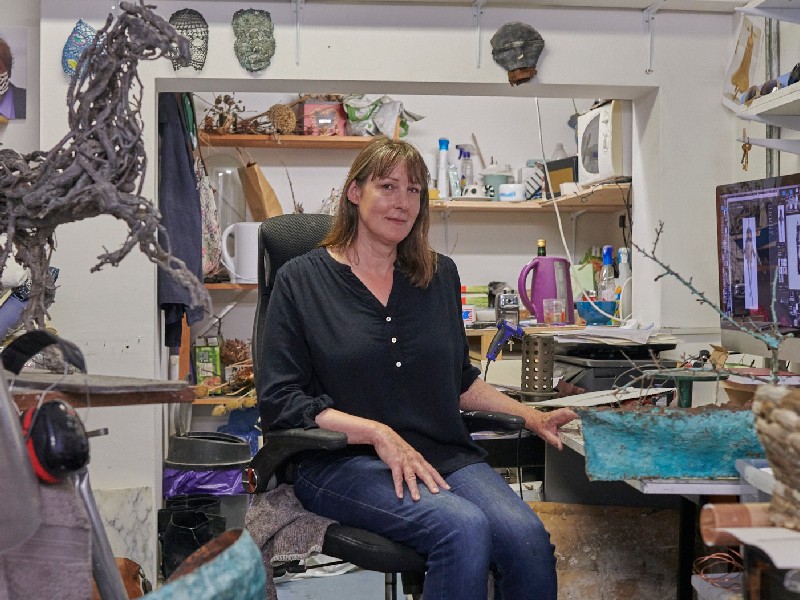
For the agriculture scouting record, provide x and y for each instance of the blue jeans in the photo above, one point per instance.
(480, 523)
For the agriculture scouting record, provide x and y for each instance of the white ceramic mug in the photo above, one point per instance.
(243, 265)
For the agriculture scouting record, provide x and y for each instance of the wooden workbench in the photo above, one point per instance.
(95, 390)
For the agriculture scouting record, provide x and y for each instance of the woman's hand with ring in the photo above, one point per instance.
(407, 465)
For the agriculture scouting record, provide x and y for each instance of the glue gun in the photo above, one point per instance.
(504, 331)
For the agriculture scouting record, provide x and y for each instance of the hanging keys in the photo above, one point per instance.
(746, 155)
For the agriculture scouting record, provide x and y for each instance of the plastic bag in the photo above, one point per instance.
(369, 115)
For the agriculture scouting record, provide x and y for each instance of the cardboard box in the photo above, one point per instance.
(563, 170)
(319, 117)
(207, 362)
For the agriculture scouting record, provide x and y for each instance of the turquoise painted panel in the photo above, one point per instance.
(667, 443)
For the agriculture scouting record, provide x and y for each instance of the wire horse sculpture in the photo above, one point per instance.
(98, 167)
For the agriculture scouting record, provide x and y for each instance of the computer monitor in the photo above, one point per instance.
(758, 234)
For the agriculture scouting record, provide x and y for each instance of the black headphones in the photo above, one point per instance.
(54, 434)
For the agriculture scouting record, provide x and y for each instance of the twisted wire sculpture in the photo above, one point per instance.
(98, 167)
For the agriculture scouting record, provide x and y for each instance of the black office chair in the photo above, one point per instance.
(280, 239)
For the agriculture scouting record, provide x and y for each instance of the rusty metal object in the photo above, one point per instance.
(98, 167)
(516, 47)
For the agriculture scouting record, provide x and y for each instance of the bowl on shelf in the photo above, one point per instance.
(592, 316)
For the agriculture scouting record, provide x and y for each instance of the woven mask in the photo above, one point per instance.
(255, 44)
(81, 38)
(516, 47)
(191, 25)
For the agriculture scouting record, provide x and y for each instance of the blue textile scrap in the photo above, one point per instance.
(179, 203)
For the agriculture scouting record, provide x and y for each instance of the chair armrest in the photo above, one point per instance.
(479, 420)
(280, 446)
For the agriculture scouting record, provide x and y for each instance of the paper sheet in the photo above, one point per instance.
(614, 335)
(599, 398)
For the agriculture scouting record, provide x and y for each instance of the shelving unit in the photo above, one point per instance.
(782, 10)
(603, 198)
(322, 142)
(781, 108)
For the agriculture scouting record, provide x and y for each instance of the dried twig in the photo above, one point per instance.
(772, 337)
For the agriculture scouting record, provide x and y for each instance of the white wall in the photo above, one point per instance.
(684, 148)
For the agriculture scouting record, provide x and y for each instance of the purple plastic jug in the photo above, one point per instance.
(549, 279)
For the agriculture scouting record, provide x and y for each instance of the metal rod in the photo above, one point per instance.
(104, 567)
(773, 157)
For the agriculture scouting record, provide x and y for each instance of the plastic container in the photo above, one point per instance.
(207, 462)
(606, 283)
(559, 152)
(624, 283)
(592, 316)
(441, 169)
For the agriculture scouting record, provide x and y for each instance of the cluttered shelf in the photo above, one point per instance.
(244, 140)
(610, 197)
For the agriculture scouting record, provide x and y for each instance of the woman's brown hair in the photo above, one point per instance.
(415, 258)
(5, 56)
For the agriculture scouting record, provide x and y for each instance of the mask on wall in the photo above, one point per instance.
(255, 44)
(191, 25)
(81, 38)
(516, 47)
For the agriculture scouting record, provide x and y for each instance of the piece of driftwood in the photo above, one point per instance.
(777, 410)
(98, 167)
(645, 442)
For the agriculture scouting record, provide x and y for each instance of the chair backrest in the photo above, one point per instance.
(280, 239)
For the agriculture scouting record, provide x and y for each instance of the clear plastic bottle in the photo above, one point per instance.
(606, 284)
(624, 282)
(442, 182)
(559, 152)
(467, 173)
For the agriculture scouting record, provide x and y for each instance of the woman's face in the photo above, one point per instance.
(387, 207)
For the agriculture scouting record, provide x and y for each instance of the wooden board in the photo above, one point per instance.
(96, 390)
(99, 384)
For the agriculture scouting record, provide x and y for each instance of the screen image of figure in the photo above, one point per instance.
(758, 229)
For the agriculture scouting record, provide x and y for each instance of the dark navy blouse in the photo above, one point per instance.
(333, 344)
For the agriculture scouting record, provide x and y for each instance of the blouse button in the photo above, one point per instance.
(397, 364)
(388, 319)
(394, 340)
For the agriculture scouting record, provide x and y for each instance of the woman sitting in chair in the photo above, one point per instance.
(365, 337)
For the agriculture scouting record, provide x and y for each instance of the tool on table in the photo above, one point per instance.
(505, 331)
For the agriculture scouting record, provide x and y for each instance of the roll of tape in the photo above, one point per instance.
(511, 192)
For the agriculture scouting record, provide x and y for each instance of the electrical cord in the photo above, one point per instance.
(561, 226)
(519, 462)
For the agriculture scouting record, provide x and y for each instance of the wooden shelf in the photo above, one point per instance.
(602, 198)
(242, 140)
(226, 285)
(212, 400)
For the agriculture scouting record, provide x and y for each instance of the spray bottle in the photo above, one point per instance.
(465, 152)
